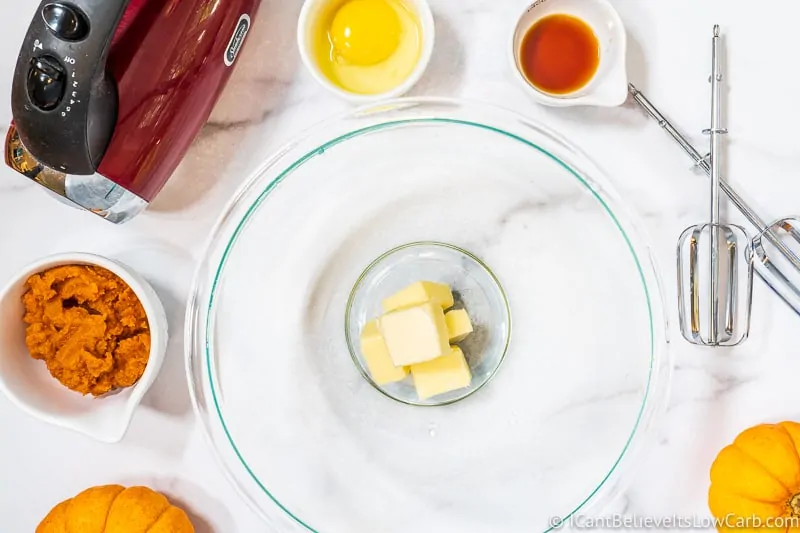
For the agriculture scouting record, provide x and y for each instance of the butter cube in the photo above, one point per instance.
(415, 334)
(448, 373)
(376, 354)
(459, 326)
(419, 293)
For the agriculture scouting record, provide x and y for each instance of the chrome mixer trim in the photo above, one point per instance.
(94, 193)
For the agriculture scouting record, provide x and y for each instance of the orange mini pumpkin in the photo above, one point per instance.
(115, 509)
(755, 482)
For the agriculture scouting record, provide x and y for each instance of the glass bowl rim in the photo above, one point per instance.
(659, 375)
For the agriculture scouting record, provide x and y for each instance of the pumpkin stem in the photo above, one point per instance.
(794, 505)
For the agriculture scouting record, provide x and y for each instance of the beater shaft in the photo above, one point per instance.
(741, 205)
(716, 133)
(768, 271)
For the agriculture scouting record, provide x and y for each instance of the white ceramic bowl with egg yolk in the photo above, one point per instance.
(309, 16)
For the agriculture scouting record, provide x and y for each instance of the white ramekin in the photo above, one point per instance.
(609, 86)
(28, 384)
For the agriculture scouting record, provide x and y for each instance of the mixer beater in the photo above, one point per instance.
(715, 261)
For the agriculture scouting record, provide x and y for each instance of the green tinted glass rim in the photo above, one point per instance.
(375, 128)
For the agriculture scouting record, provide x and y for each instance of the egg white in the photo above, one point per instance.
(370, 79)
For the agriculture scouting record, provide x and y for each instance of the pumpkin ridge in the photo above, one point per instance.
(726, 490)
(171, 517)
(791, 439)
(763, 469)
(151, 524)
(108, 511)
(162, 513)
(795, 495)
(69, 504)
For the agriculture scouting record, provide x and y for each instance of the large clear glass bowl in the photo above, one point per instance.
(311, 444)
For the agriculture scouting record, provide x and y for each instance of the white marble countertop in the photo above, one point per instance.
(715, 393)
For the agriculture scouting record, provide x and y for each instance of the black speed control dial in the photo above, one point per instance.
(46, 82)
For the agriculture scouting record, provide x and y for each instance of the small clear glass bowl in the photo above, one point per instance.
(311, 444)
(475, 289)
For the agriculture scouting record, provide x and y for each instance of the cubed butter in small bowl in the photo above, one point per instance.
(441, 375)
(419, 293)
(414, 336)
(380, 365)
(434, 340)
(459, 325)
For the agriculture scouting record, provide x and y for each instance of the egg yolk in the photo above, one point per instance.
(365, 32)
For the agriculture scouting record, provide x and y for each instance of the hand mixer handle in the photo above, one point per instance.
(61, 73)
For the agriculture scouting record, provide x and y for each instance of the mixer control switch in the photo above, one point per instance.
(65, 21)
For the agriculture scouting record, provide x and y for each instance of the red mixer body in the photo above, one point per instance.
(168, 62)
(108, 95)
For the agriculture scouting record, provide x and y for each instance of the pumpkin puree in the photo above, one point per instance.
(88, 327)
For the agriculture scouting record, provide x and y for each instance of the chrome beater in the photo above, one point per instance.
(723, 317)
(776, 246)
